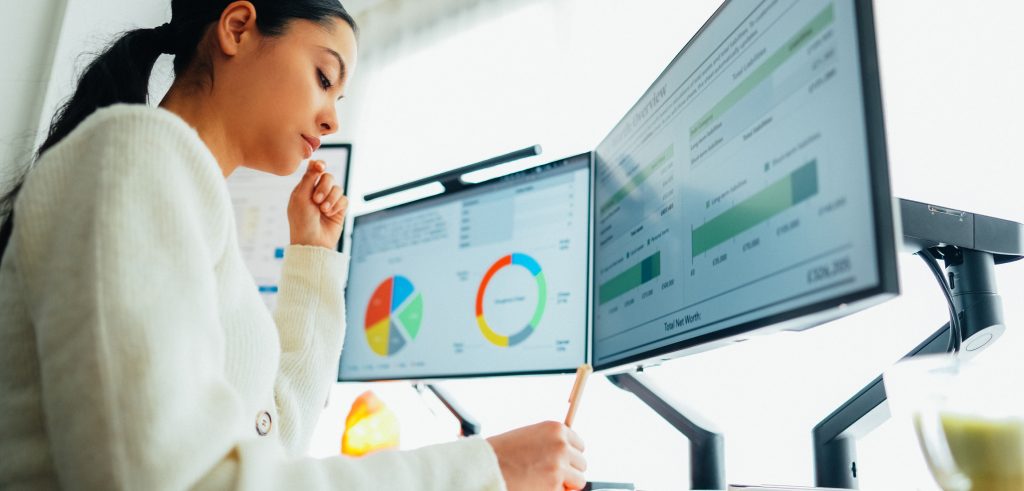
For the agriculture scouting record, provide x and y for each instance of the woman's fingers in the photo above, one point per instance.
(316, 208)
(574, 479)
(340, 206)
(574, 439)
(540, 456)
(576, 460)
(323, 188)
(313, 171)
(333, 195)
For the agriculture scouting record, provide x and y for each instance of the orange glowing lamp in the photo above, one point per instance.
(370, 426)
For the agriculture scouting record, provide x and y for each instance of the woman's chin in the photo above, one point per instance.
(288, 170)
(281, 169)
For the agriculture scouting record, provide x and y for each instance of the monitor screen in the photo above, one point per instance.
(488, 280)
(747, 188)
(261, 214)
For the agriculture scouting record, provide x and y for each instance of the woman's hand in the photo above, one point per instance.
(316, 209)
(546, 456)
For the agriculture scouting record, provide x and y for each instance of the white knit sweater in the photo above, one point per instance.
(135, 352)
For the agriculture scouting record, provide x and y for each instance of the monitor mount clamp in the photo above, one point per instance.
(970, 245)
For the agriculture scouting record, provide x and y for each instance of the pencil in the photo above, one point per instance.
(582, 373)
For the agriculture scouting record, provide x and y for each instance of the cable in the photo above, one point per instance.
(954, 320)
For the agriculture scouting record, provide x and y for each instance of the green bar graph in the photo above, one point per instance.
(638, 179)
(789, 191)
(638, 274)
(766, 69)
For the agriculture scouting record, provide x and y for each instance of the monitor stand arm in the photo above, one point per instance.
(835, 437)
(468, 425)
(971, 246)
(707, 449)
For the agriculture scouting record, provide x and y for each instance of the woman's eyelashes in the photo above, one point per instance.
(325, 82)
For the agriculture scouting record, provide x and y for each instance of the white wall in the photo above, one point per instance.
(28, 35)
(47, 43)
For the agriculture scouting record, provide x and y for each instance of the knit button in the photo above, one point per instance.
(263, 423)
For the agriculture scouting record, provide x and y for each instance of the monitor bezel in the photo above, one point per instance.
(465, 187)
(344, 186)
(823, 311)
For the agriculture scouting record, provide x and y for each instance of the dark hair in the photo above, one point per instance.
(121, 73)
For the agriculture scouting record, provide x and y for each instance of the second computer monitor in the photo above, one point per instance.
(489, 280)
(748, 187)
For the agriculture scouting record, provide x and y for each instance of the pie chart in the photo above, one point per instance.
(393, 316)
(519, 334)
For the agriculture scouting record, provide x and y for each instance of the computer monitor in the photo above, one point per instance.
(747, 190)
(260, 202)
(492, 279)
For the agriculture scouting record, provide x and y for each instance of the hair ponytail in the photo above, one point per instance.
(120, 74)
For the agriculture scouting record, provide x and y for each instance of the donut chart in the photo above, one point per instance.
(531, 265)
(393, 316)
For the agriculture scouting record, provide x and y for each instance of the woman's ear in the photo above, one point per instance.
(237, 25)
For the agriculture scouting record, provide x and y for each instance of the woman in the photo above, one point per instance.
(135, 347)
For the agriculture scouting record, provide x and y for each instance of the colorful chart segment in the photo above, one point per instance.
(531, 265)
(394, 314)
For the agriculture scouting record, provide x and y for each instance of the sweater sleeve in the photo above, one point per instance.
(310, 320)
(116, 251)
